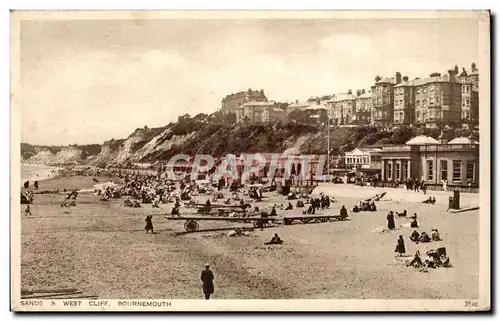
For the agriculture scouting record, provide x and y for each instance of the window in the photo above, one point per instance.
(464, 89)
(430, 170)
(457, 170)
(398, 170)
(418, 115)
(418, 102)
(431, 101)
(444, 170)
(418, 90)
(431, 87)
(405, 169)
(389, 171)
(425, 90)
(470, 171)
(437, 100)
(467, 102)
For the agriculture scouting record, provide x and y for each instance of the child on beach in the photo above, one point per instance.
(149, 224)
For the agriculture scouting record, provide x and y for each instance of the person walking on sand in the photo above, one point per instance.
(207, 277)
(400, 247)
(28, 211)
(149, 224)
(390, 221)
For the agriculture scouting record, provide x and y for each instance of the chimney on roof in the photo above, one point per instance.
(405, 78)
(435, 74)
(451, 75)
(378, 78)
(296, 101)
(455, 69)
(358, 92)
(398, 77)
(473, 67)
(349, 92)
(363, 91)
(416, 78)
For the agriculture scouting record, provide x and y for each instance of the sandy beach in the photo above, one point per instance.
(101, 248)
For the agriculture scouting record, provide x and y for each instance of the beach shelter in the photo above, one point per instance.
(463, 141)
(422, 140)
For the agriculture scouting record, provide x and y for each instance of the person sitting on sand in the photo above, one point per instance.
(400, 247)
(433, 200)
(299, 204)
(414, 223)
(435, 235)
(149, 224)
(424, 238)
(156, 203)
(175, 211)
(343, 212)
(273, 211)
(275, 240)
(228, 201)
(417, 261)
(289, 207)
(414, 216)
(355, 209)
(415, 236)
(403, 214)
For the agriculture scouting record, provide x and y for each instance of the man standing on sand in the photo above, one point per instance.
(207, 277)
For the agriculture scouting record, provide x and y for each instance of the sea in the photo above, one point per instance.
(32, 172)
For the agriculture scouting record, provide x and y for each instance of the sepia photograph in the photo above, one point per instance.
(250, 161)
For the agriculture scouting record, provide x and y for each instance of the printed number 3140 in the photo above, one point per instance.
(471, 304)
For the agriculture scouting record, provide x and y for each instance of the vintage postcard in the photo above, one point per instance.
(250, 161)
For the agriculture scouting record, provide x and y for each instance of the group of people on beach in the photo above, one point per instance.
(434, 258)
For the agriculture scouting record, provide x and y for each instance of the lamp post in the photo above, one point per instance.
(328, 143)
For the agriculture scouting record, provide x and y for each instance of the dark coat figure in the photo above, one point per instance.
(343, 212)
(289, 207)
(400, 248)
(390, 221)
(149, 224)
(27, 184)
(36, 184)
(207, 277)
(273, 211)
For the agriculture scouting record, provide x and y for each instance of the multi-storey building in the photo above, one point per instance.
(404, 102)
(231, 102)
(363, 107)
(260, 112)
(383, 100)
(470, 94)
(344, 108)
(437, 100)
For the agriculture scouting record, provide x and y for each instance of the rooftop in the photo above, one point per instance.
(257, 103)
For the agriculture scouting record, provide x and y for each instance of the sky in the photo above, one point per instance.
(88, 81)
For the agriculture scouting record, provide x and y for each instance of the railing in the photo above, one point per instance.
(446, 147)
(432, 187)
